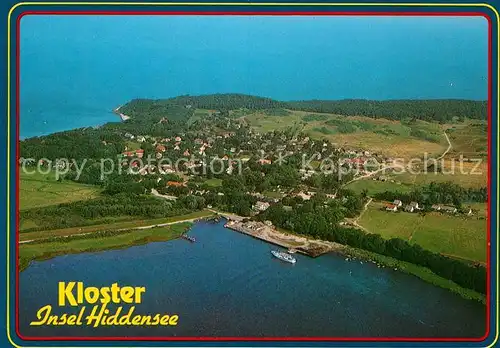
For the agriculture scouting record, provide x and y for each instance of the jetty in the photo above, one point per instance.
(265, 231)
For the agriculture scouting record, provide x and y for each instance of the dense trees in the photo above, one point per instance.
(75, 144)
(107, 207)
(437, 193)
(440, 110)
(229, 101)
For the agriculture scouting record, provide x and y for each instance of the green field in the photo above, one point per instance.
(468, 176)
(214, 182)
(99, 242)
(462, 237)
(374, 186)
(39, 190)
(132, 145)
(273, 194)
(129, 222)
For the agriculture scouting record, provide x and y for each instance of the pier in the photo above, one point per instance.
(266, 232)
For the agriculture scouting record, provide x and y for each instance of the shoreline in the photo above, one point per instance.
(105, 240)
(267, 233)
(303, 244)
(309, 247)
(122, 116)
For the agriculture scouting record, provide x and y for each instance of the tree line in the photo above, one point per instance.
(103, 209)
(437, 193)
(440, 110)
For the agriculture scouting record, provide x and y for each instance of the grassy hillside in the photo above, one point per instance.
(469, 139)
(390, 137)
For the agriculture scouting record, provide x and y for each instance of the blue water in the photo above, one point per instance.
(76, 69)
(228, 284)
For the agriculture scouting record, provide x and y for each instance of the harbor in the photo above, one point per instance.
(242, 289)
(267, 232)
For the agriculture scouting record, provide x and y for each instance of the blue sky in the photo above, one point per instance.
(118, 57)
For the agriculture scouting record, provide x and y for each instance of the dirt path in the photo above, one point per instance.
(449, 146)
(364, 209)
(371, 174)
(355, 221)
(157, 194)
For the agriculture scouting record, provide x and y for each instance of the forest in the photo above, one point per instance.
(83, 213)
(440, 110)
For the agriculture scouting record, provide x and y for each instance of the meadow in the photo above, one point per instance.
(468, 176)
(377, 135)
(458, 236)
(39, 190)
(469, 139)
(374, 186)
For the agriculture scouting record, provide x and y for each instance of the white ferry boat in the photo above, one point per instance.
(283, 256)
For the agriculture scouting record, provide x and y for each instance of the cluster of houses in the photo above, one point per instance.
(415, 206)
(410, 208)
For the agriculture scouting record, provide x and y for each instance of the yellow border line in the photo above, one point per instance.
(219, 4)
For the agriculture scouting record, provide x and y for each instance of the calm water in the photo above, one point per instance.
(76, 69)
(228, 284)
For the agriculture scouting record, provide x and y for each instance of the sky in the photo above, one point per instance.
(284, 57)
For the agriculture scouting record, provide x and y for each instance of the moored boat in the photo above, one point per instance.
(189, 238)
(283, 256)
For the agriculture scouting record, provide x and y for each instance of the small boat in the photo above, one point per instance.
(283, 256)
(292, 251)
(189, 238)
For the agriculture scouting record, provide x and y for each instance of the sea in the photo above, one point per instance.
(228, 284)
(76, 69)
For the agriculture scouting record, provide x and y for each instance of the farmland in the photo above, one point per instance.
(39, 190)
(459, 236)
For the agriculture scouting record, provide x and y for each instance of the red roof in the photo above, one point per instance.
(174, 183)
(358, 160)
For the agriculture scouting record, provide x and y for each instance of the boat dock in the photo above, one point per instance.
(266, 232)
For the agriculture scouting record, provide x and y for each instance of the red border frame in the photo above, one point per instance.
(234, 339)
